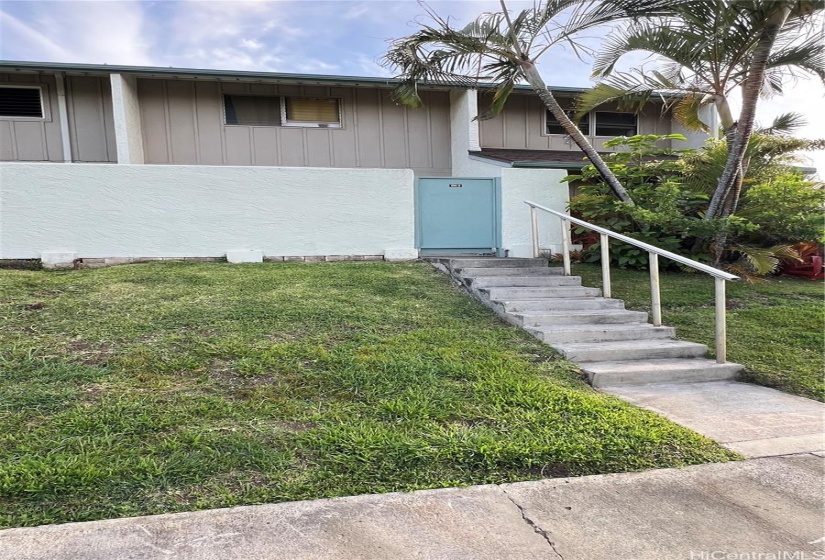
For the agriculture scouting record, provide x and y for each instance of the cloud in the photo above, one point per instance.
(17, 37)
(251, 44)
(75, 32)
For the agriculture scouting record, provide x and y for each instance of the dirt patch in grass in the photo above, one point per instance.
(88, 353)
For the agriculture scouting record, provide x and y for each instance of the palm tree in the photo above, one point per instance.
(771, 16)
(711, 48)
(501, 50)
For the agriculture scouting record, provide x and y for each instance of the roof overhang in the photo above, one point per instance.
(530, 159)
(200, 74)
(238, 76)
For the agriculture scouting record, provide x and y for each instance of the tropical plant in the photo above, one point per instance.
(667, 213)
(787, 208)
(780, 207)
(710, 49)
(499, 50)
(770, 153)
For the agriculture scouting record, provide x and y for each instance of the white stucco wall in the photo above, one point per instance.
(697, 139)
(464, 132)
(103, 210)
(126, 115)
(542, 186)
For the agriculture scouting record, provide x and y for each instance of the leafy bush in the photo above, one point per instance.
(786, 208)
(667, 214)
(671, 190)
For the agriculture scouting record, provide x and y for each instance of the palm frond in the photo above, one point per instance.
(808, 57)
(761, 260)
(686, 111)
(785, 123)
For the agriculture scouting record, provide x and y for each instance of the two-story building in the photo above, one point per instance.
(132, 162)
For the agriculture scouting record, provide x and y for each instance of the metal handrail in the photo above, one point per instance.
(654, 252)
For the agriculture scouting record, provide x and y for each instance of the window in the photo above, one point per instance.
(554, 127)
(304, 111)
(21, 102)
(252, 110)
(261, 110)
(616, 124)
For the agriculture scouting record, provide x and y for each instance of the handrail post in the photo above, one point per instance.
(605, 243)
(721, 324)
(655, 294)
(534, 225)
(565, 245)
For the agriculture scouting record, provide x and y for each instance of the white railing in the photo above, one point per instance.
(653, 253)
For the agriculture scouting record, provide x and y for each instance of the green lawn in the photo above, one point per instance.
(775, 327)
(170, 387)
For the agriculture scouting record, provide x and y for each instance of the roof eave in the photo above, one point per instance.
(241, 75)
(550, 164)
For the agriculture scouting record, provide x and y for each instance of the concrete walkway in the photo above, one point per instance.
(752, 420)
(700, 513)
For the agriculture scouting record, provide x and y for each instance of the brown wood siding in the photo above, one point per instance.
(91, 123)
(32, 140)
(183, 123)
(521, 126)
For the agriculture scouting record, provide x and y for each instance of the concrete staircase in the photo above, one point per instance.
(612, 345)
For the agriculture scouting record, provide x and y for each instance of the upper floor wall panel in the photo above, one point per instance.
(89, 118)
(32, 139)
(91, 124)
(183, 122)
(521, 125)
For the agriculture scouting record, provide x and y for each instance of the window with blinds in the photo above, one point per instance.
(252, 110)
(261, 110)
(21, 102)
(306, 111)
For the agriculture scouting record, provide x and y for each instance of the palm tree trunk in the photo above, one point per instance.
(725, 116)
(533, 78)
(750, 96)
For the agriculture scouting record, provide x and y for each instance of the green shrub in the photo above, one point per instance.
(786, 209)
(667, 214)
(671, 188)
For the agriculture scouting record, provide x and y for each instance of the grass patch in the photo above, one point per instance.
(168, 387)
(774, 327)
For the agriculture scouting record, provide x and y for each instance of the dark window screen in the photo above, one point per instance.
(20, 102)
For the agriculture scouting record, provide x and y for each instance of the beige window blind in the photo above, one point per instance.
(310, 110)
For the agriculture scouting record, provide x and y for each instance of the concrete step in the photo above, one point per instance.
(509, 294)
(552, 304)
(572, 334)
(638, 372)
(631, 350)
(521, 281)
(578, 317)
(454, 263)
(543, 270)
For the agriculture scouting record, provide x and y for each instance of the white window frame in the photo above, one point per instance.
(595, 116)
(305, 124)
(44, 107)
(284, 122)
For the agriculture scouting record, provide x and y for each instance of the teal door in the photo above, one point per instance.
(457, 215)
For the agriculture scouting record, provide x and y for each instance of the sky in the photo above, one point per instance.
(344, 37)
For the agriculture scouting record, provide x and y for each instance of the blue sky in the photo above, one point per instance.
(322, 37)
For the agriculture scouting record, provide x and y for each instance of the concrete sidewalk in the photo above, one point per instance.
(752, 420)
(701, 513)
